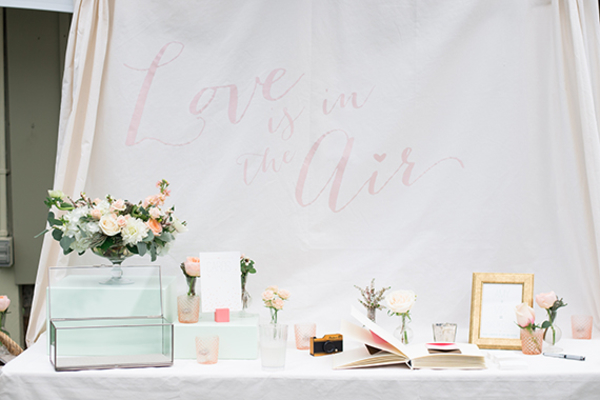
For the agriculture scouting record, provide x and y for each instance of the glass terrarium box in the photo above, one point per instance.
(107, 317)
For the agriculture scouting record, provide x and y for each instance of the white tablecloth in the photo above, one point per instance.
(31, 376)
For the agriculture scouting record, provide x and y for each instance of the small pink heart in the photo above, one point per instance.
(379, 158)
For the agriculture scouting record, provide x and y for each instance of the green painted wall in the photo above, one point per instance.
(34, 48)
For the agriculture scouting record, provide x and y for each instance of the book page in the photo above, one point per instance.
(351, 331)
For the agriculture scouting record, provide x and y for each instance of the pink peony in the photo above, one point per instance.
(525, 315)
(4, 303)
(192, 266)
(546, 300)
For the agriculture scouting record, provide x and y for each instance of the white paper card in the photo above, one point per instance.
(220, 285)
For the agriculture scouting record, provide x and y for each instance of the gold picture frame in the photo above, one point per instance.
(493, 300)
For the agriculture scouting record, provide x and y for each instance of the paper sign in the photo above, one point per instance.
(220, 285)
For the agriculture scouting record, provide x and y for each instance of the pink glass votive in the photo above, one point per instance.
(581, 326)
(304, 331)
(207, 349)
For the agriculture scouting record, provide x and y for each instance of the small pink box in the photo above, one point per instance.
(222, 315)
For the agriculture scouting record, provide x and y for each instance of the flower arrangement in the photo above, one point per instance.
(400, 302)
(273, 299)
(114, 228)
(4, 304)
(371, 298)
(191, 270)
(551, 303)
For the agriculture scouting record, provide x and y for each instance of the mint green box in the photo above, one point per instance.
(94, 325)
(238, 339)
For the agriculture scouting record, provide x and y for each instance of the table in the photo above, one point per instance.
(31, 376)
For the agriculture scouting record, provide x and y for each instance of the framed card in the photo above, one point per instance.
(220, 281)
(493, 300)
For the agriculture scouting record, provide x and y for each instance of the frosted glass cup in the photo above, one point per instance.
(444, 332)
(273, 344)
(303, 332)
(207, 349)
(581, 326)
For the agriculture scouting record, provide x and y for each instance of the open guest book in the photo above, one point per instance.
(393, 351)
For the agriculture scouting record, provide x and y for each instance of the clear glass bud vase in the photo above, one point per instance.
(403, 332)
(552, 336)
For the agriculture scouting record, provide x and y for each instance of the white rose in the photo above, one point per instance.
(400, 301)
(134, 231)
(56, 194)
(179, 227)
(108, 224)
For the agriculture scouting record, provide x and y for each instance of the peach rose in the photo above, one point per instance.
(546, 300)
(154, 226)
(192, 266)
(108, 225)
(268, 295)
(525, 315)
(4, 303)
(400, 301)
(274, 289)
(284, 294)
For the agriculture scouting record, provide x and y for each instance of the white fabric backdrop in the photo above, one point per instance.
(408, 141)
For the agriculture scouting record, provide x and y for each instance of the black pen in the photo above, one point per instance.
(565, 356)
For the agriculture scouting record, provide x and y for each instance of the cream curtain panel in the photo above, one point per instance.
(336, 142)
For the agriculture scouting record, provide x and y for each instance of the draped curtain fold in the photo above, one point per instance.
(86, 51)
(578, 55)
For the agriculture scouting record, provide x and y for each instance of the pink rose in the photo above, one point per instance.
(154, 212)
(118, 205)
(284, 294)
(268, 295)
(4, 303)
(192, 266)
(273, 289)
(96, 214)
(122, 220)
(277, 304)
(546, 300)
(525, 315)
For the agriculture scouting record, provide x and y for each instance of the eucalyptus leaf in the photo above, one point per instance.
(153, 252)
(57, 234)
(142, 248)
(166, 236)
(546, 325)
(150, 237)
(65, 243)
